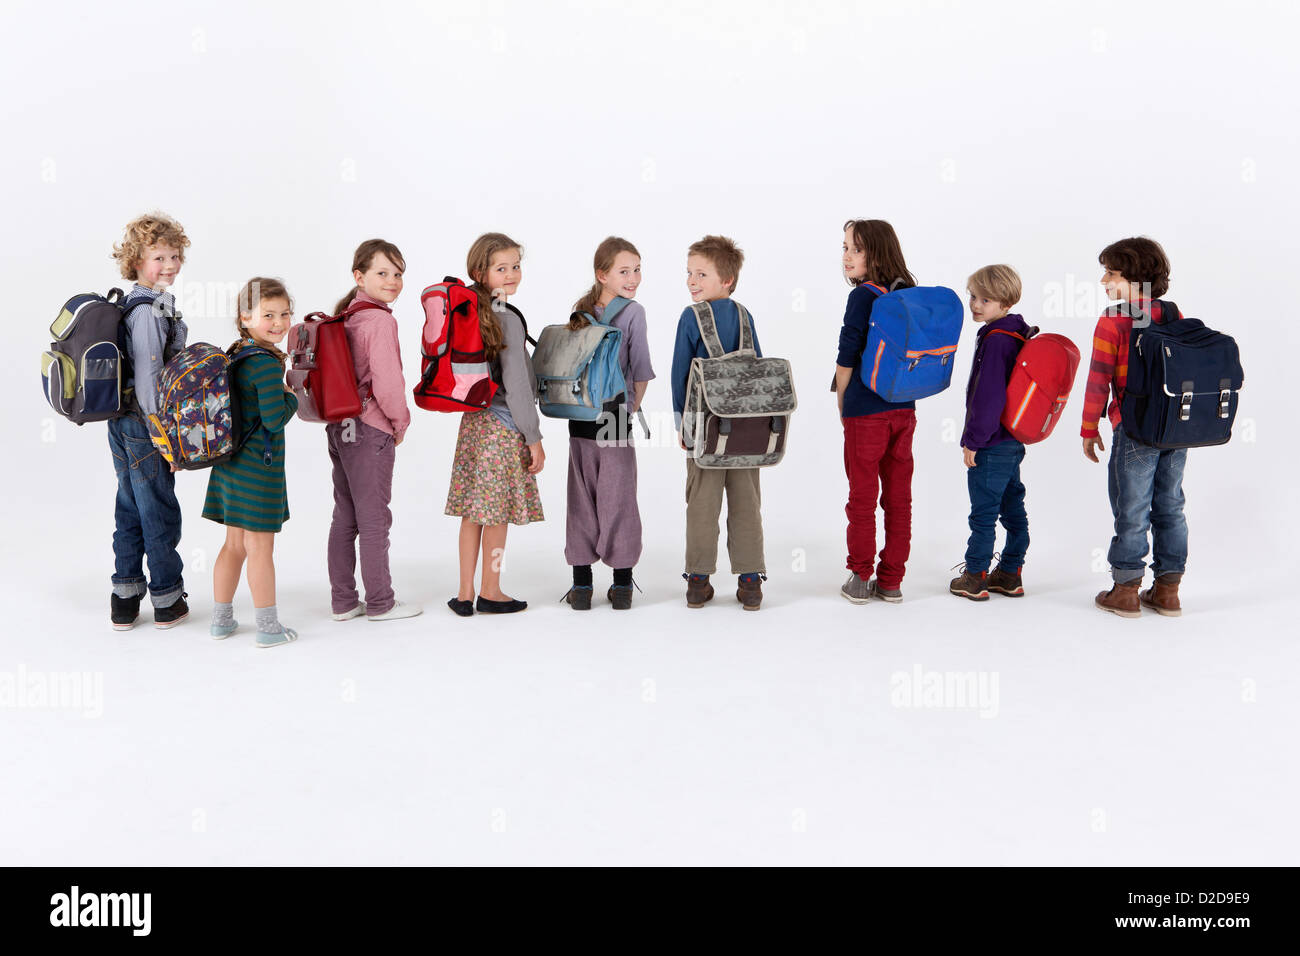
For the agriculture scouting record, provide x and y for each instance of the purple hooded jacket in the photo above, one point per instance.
(986, 392)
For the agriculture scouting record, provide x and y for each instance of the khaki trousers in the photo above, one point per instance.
(704, 490)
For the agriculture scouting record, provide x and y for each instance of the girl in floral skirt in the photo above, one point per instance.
(499, 450)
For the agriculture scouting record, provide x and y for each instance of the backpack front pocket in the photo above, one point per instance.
(59, 378)
(101, 379)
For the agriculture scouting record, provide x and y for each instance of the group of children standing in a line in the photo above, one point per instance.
(499, 450)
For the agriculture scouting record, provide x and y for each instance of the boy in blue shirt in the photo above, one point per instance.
(148, 515)
(712, 270)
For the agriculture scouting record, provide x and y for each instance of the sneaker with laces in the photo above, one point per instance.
(856, 589)
(349, 615)
(892, 595)
(397, 612)
(173, 614)
(124, 611)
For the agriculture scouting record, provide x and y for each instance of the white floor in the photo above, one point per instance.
(662, 735)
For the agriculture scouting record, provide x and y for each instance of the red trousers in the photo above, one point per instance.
(878, 461)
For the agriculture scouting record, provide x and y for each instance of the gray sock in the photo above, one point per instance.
(223, 615)
(268, 622)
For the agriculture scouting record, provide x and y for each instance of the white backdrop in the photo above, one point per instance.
(1026, 133)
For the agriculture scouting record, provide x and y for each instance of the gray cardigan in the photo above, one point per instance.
(512, 370)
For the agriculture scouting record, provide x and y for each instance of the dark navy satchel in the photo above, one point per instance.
(1183, 378)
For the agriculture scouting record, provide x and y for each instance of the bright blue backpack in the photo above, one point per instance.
(578, 372)
(912, 342)
(1181, 388)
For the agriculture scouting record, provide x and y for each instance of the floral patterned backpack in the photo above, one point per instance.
(197, 425)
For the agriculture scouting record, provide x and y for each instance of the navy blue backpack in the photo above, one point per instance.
(1181, 389)
(912, 342)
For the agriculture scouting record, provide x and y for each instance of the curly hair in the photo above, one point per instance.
(1141, 260)
(151, 229)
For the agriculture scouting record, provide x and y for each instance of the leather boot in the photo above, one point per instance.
(1122, 599)
(1162, 596)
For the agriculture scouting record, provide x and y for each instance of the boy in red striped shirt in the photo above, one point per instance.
(1145, 483)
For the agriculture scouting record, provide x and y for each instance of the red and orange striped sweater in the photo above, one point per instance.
(1108, 370)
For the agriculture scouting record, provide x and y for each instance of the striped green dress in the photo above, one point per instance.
(244, 492)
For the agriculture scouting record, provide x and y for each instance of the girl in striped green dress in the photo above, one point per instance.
(247, 493)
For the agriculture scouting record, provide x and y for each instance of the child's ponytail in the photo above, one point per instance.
(602, 261)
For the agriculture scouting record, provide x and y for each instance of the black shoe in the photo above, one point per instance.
(124, 612)
(484, 606)
(620, 595)
(173, 614)
(579, 597)
(463, 608)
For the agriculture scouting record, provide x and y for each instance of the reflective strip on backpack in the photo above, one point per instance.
(475, 368)
(1015, 422)
(940, 351)
(875, 369)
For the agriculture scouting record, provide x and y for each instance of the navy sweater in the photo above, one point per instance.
(689, 345)
(986, 391)
(858, 399)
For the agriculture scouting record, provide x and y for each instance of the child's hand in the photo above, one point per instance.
(682, 443)
(537, 458)
(1091, 446)
(968, 456)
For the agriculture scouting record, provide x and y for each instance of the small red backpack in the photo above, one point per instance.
(1040, 384)
(321, 372)
(454, 374)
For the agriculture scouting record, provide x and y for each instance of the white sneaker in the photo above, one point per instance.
(349, 615)
(397, 612)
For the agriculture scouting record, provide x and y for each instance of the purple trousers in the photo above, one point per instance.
(363, 458)
(603, 521)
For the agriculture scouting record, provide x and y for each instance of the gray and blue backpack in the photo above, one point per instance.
(85, 371)
(577, 370)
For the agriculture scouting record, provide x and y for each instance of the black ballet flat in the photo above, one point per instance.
(499, 607)
(463, 608)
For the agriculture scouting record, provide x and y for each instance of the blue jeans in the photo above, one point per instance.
(148, 516)
(1146, 492)
(995, 489)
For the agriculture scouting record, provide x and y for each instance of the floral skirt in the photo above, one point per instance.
(490, 483)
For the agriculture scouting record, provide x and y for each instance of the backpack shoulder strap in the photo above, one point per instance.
(1014, 335)
(746, 328)
(708, 329)
(880, 290)
(524, 322)
(616, 305)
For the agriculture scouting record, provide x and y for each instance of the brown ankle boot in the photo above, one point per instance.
(698, 591)
(1122, 599)
(1162, 597)
(750, 593)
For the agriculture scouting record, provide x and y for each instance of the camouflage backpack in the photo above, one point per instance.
(198, 423)
(738, 405)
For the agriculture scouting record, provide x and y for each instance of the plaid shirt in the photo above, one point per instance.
(1109, 367)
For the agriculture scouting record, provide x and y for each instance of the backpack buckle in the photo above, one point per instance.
(1225, 401)
(724, 426)
(1185, 407)
(541, 387)
(577, 388)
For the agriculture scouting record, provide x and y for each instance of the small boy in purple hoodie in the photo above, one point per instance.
(991, 455)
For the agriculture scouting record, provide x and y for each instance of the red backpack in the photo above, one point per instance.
(321, 372)
(454, 375)
(1040, 385)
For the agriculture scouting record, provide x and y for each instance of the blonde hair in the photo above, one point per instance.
(725, 255)
(477, 263)
(1000, 283)
(603, 261)
(246, 303)
(151, 229)
(361, 260)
